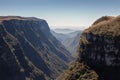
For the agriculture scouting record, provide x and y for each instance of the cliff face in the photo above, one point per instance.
(102, 55)
(14, 65)
(29, 51)
(99, 49)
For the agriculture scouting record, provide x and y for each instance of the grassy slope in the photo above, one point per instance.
(107, 26)
(79, 71)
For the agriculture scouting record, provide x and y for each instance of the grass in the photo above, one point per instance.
(105, 26)
(79, 71)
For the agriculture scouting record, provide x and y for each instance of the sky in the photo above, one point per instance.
(62, 13)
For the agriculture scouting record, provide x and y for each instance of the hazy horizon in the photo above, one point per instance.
(69, 27)
(61, 13)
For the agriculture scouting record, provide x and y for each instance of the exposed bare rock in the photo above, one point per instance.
(99, 49)
(29, 51)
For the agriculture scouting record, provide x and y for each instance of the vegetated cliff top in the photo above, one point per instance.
(2, 18)
(105, 26)
(79, 71)
(29, 41)
(33, 21)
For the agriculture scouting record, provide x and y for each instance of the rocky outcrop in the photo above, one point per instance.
(29, 51)
(79, 71)
(99, 49)
(14, 65)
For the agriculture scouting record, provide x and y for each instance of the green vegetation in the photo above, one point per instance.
(79, 71)
(104, 18)
(29, 50)
(91, 61)
(83, 41)
(106, 26)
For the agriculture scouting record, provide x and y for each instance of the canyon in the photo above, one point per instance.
(99, 52)
(29, 51)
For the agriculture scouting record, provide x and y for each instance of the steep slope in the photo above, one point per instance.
(100, 50)
(69, 40)
(28, 50)
(71, 44)
(14, 65)
(63, 30)
(79, 71)
(60, 36)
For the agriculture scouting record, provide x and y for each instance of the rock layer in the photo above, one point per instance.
(99, 49)
(29, 51)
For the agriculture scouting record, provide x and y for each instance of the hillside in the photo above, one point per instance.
(105, 26)
(63, 30)
(79, 71)
(99, 49)
(71, 44)
(69, 39)
(60, 36)
(29, 51)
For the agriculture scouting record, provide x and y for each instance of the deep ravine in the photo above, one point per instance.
(99, 52)
(29, 51)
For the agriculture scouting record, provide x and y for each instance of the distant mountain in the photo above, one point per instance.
(28, 51)
(69, 40)
(64, 30)
(71, 44)
(75, 33)
(60, 36)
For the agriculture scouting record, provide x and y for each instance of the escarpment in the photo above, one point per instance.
(29, 51)
(99, 48)
(14, 65)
